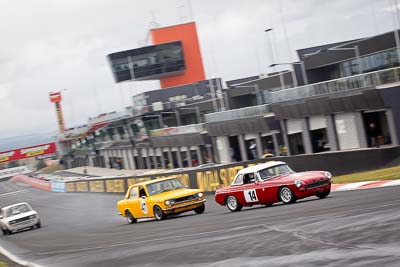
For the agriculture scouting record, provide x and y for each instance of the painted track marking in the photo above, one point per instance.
(14, 192)
(203, 233)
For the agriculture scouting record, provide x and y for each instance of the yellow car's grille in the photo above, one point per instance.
(185, 199)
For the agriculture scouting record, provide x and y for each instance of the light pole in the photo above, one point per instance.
(396, 31)
(213, 95)
(271, 51)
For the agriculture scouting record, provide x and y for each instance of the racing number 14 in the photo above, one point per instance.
(250, 195)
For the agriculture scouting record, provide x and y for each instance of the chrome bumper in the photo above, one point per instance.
(22, 225)
(188, 204)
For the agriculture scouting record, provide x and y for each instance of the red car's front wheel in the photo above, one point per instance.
(286, 195)
(323, 194)
(233, 204)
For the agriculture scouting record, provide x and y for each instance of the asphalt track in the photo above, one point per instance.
(354, 228)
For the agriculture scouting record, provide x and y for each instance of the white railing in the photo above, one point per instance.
(359, 81)
(371, 79)
(241, 113)
(185, 129)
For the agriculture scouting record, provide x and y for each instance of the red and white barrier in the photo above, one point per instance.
(364, 185)
(46, 185)
(40, 184)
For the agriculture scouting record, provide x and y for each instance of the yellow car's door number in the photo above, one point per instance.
(143, 207)
(250, 195)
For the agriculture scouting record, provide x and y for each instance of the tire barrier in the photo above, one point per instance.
(58, 187)
(212, 178)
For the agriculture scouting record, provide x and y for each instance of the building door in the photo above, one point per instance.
(268, 144)
(234, 148)
(347, 132)
(296, 144)
(376, 128)
(174, 159)
(318, 134)
(295, 136)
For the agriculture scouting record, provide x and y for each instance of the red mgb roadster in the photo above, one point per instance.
(272, 182)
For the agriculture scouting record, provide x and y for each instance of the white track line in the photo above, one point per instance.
(14, 192)
(17, 259)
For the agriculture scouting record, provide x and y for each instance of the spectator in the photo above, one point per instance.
(267, 154)
(253, 149)
(372, 135)
(232, 154)
(119, 163)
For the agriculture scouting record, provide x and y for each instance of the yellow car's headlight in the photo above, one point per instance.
(200, 194)
(169, 202)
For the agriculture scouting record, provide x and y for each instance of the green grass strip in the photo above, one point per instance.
(392, 173)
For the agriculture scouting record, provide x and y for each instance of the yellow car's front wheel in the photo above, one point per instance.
(158, 213)
(200, 209)
(129, 217)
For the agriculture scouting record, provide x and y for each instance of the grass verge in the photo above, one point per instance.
(392, 173)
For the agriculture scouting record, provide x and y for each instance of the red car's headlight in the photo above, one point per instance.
(298, 183)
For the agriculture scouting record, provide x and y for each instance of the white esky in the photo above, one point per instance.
(50, 45)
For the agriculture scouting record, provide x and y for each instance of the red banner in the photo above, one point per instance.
(28, 152)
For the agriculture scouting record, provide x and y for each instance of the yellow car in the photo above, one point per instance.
(159, 198)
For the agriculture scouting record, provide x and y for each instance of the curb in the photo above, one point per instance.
(364, 185)
(44, 185)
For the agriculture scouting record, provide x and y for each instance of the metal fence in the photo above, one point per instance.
(185, 129)
(241, 113)
(359, 81)
(371, 79)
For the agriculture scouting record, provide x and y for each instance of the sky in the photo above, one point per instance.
(61, 45)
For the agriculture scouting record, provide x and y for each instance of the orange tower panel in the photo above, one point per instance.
(187, 34)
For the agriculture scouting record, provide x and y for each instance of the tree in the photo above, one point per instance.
(40, 164)
(13, 164)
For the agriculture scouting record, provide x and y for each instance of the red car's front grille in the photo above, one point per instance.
(317, 184)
